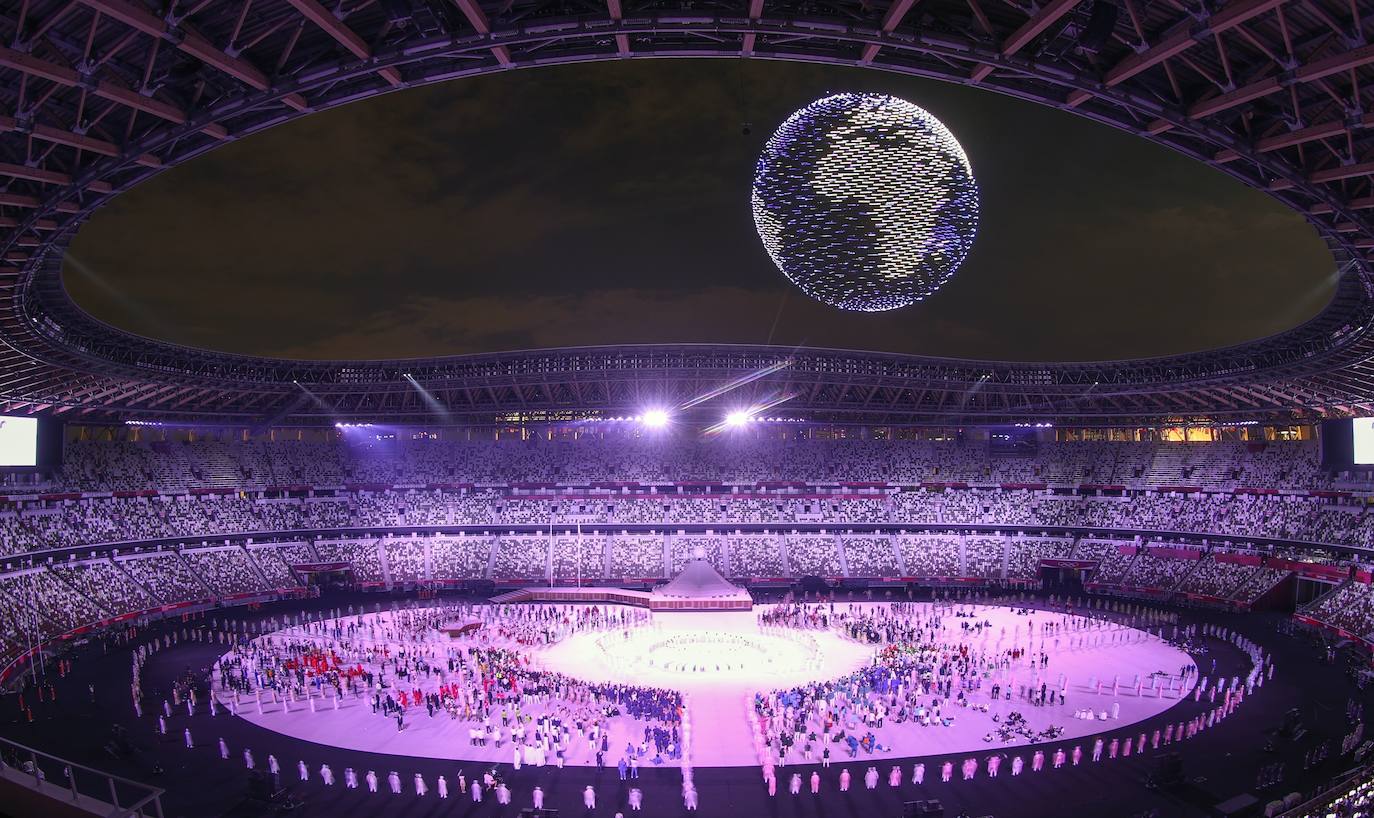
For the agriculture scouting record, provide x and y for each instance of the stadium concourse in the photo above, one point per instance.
(1103, 628)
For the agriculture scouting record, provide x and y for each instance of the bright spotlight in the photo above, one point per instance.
(655, 418)
(736, 419)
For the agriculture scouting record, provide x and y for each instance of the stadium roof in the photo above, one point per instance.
(99, 95)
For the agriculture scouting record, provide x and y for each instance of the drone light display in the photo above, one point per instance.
(865, 201)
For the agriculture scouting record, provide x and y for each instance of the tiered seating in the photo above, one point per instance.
(1350, 608)
(102, 582)
(166, 575)
(639, 557)
(1024, 555)
(362, 555)
(812, 555)
(683, 549)
(870, 556)
(405, 559)
(983, 557)
(583, 557)
(929, 556)
(1152, 571)
(273, 566)
(522, 557)
(1218, 579)
(1112, 565)
(296, 553)
(755, 557)
(107, 466)
(1257, 583)
(460, 557)
(227, 570)
(40, 602)
(1354, 799)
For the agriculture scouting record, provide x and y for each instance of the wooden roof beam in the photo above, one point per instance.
(345, 36)
(193, 43)
(478, 20)
(1230, 16)
(1046, 16)
(891, 19)
(622, 41)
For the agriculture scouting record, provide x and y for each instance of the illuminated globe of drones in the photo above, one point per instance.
(865, 201)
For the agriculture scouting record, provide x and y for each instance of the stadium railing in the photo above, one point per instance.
(85, 788)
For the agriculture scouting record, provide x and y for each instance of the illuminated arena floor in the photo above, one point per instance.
(1219, 763)
(719, 660)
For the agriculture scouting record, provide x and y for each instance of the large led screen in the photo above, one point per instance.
(18, 441)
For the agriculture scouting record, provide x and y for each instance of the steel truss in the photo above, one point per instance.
(99, 95)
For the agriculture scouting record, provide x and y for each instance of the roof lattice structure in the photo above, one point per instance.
(98, 95)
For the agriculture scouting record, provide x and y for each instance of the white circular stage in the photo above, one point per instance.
(720, 660)
(696, 652)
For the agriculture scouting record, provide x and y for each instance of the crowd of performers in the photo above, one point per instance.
(927, 673)
(395, 663)
(923, 674)
(400, 668)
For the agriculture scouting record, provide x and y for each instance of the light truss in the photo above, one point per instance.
(99, 95)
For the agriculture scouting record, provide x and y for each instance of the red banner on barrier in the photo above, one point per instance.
(1171, 553)
(1310, 569)
(1238, 559)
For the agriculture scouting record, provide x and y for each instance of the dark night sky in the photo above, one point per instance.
(610, 204)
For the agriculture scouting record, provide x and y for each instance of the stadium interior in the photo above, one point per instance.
(790, 578)
(176, 527)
